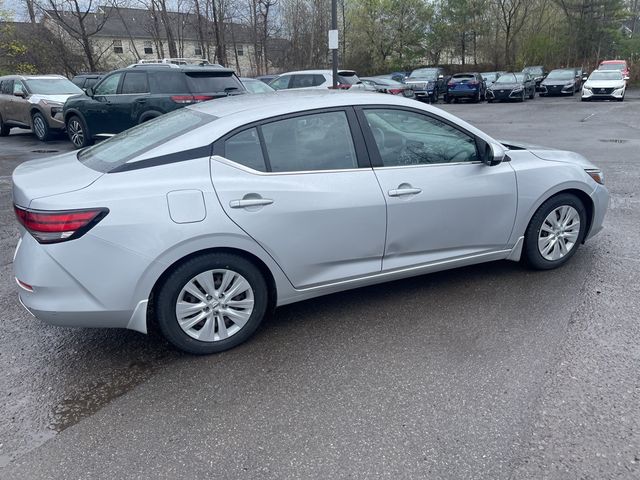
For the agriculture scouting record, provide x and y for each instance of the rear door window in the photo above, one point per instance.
(213, 82)
(7, 87)
(135, 82)
(307, 80)
(320, 141)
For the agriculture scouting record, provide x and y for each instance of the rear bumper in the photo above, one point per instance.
(69, 292)
(462, 93)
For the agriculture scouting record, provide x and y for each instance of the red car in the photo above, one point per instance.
(616, 65)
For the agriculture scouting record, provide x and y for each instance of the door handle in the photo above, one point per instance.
(398, 192)
(250, 202)
(141, 100)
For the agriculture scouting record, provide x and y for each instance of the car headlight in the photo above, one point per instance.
(568, 85)
(596, 174)
(518, 89)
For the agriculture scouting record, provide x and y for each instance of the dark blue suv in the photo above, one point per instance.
(466, 85)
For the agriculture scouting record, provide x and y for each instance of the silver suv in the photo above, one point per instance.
(35, 102)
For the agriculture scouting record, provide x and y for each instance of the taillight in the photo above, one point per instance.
(58, 225)
(395, 91)
(186, 99)
(473, 84)
(451, 84)
(182, 98)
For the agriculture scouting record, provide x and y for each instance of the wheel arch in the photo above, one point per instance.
(256, 260)
(149, 115)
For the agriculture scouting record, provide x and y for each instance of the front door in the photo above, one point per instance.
(98, 111)
(299, 188)
(442, 202)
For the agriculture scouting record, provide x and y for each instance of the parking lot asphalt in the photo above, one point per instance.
(486, 372)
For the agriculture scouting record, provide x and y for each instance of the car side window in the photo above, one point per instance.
(281, 82)
(409, 138)
(109, 86)
(244, 148)
(18, 88)
(135, 82)
(7, 87)
(320, 141)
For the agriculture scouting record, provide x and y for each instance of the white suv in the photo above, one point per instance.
(347, 79)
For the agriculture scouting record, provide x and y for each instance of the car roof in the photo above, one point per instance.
(613, 61)
(33, 77)
(158, 67)
(318, 72)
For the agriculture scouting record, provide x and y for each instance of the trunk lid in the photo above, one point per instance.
(50, 176)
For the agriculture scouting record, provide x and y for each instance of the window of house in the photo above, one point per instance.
(408, 138)
(240, 50)
(117, 46)
(197, 51)
(148, 48)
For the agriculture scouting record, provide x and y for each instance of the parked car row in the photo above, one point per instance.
(96, 105)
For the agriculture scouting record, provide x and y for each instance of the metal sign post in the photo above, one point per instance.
(333, 41)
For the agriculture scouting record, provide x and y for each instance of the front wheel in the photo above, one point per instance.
(533, 94)
(554, 232)
(211, 303)
(40, 127)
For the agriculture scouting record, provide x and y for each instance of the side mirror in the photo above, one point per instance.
(491, 154)
(89, 91)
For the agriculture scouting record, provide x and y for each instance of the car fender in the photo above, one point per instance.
(148, 115)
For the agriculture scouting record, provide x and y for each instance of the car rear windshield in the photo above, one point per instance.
(52, 86)
(611, 75)
(118, 150)
(463, 76)
(348, 78)
(612, 66)
(218, 82)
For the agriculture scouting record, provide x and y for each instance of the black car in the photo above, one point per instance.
(562, 81)
(512, 86)
(86, 80)
(466, 85)
(428, 83)
(133, 95)
(538, 73)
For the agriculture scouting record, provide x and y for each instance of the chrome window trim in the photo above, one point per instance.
(477, 162)
(239, 166)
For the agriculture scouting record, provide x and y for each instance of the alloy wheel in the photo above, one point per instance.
(39, 127)
(214, 305)
(76, 133)
(559, 233)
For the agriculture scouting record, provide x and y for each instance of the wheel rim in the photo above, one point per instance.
(75, 133)
(39, 127)
(214, 305)
(559, 233)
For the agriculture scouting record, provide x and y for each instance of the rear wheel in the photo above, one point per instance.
(4, 128)
(78, 133)
(40, 127)
(533, 94)
(211, 303)
(447, 99)
(555, 232)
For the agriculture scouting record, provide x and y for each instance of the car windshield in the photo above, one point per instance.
(533, 70)
(424, 74)
(611, 66)
(52, 86)
(561, 75)
(510, 78)
(118, 150)
(490, 77)
(611, 75)
(256, 86)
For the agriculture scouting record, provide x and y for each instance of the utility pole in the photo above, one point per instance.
(333, 41)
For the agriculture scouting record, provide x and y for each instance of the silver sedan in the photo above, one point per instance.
(206, 219)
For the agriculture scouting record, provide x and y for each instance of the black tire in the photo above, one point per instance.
(4, 128)
(533, 95)
(447, 99)
(490, 100)
(167, 296)
(523, 97)
(434, 97)
(584, 99)
(620, 99)
(40, 127)
(531, 254)
(477, 97)
(78, 132)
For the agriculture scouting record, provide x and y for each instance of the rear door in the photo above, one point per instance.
(301, 186)
(130, 102)
(20, 105)
(442, 202)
